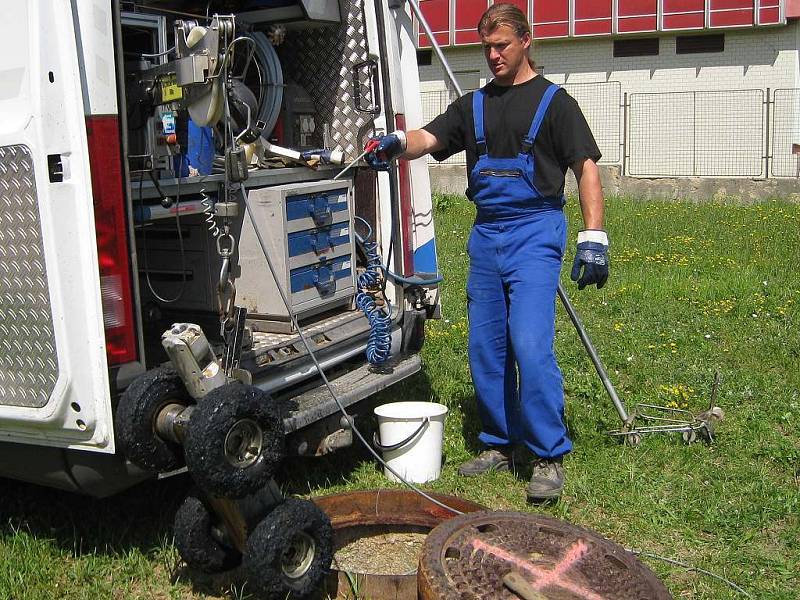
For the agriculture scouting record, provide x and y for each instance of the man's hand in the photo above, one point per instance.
(383, 149)
(592, 257)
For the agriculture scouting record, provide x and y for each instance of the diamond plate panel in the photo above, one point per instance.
(28, 365)
(322, 60)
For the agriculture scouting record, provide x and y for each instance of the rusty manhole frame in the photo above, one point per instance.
(366, 510)
(465, 558)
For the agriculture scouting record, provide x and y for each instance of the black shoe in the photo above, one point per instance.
(547, 480)
(493, 459)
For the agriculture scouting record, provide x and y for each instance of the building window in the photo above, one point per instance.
(636, 47)
(424, 58)
(695, 44)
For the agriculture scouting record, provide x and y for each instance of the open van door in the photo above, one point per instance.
(54, 381)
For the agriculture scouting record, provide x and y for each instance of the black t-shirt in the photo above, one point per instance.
(563, 138)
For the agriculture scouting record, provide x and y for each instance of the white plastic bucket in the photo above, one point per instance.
(411, 437)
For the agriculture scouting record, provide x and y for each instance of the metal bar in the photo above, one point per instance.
(694, 134)
(435, 45)
(625, 116)
(587, 343)
(767, 152)
(598, 364)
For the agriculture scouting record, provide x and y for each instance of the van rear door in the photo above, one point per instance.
(54, 387)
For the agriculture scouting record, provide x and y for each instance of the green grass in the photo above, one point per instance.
(694, 288)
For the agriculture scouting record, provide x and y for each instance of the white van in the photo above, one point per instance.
(130, 133)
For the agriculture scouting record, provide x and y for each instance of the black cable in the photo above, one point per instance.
(262, 243)
(689, 567)
(180, 238)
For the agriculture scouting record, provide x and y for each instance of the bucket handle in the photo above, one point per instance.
(425, 421)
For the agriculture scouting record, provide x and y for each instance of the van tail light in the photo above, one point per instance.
(112, 238)
(406, 208)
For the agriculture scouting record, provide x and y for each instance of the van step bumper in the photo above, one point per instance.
(316, 403)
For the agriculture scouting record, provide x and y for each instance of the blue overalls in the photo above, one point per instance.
(515, 248)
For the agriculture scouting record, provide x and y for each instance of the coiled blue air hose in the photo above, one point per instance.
(379, 344)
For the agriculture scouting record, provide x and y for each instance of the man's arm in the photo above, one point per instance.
(591, 257)
(590, 193)
(420, 142)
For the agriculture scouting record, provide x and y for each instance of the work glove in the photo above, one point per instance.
(323, 156)
(592, 258)
(383, 149)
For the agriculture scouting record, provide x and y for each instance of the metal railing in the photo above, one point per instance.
(696, 134)
(728, 133)
(785, 133)
(433, 104)
(601, 104)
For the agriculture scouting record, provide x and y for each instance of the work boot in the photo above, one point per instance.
(547, 480)
(493, 459)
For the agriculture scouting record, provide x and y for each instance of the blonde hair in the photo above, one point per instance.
(509, 15)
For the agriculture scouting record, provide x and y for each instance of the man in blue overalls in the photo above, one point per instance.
(520, 133)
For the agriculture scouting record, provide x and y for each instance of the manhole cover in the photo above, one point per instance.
(466, 558)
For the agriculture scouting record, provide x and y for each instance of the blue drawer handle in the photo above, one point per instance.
(324, 280)
(321, 242)
(320, 210)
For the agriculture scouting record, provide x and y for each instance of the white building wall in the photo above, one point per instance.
(729, 124)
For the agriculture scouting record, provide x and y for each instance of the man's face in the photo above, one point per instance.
(505, 52)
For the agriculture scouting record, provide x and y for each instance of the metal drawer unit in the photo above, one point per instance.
(308, 230)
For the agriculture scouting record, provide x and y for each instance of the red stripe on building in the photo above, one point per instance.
(565, 18)
(637, 24)
(732, 18)
(553, 30)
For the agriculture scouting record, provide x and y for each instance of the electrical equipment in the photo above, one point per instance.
(299, 119)
(209, 66)
(308, 228)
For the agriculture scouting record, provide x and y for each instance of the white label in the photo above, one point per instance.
(168, 122)
(345, 231)
(346, 264)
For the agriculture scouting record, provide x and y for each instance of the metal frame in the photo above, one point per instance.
(694, 128)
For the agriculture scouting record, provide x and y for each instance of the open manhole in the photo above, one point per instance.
(468, 557)
(378, 537)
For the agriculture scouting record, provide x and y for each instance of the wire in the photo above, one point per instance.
(379, 345)
(389, 274)
(678, 563)
(180, 239)
(156, 54)
(324, 377)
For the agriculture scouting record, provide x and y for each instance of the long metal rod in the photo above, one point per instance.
(436, 48)
(573, 315)
(598, 364)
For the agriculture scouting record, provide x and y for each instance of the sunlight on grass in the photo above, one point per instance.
(694, 288)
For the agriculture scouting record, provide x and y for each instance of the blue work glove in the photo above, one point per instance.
(383, 149)
(592, 258)
(323, 156)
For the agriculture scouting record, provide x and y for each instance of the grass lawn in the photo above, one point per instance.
(694, 288)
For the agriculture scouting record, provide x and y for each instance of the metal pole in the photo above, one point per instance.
(436, 48)
(624, 134)
(598, 364)
(767, 153)
(573, 315)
